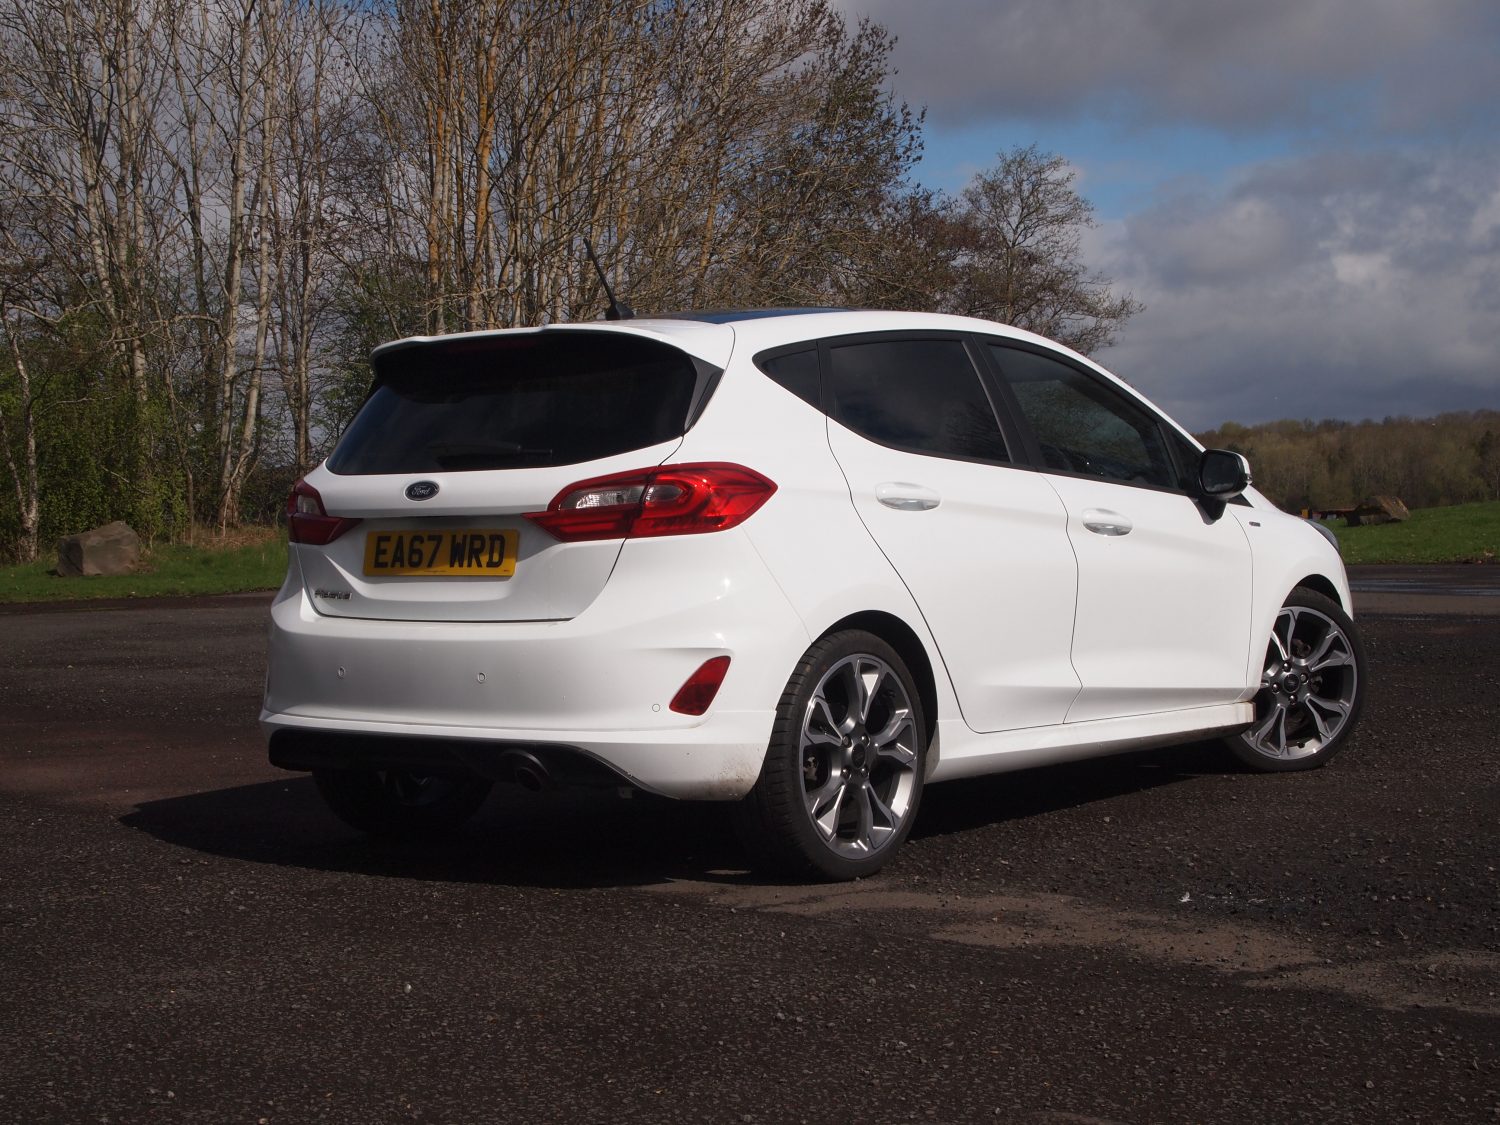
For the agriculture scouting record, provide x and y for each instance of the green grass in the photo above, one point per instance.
(170, 569)
(1462, 533)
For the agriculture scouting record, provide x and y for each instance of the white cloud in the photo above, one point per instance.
(1195, 243)
(1334, 286)
(1485, 226)
(1371, 272)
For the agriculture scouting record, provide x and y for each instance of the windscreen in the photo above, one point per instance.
(517, 402)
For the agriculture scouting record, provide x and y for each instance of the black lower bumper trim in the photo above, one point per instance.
(447, 757)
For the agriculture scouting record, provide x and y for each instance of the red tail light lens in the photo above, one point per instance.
(670, 500)
(695, 696)
(307, 521)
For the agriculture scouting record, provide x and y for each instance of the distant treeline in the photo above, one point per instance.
(1426, 462)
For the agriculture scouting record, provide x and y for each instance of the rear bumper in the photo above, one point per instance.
(595, 688)
(662, 762)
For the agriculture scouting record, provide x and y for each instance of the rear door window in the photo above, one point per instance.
(919, 395)
(517, 402)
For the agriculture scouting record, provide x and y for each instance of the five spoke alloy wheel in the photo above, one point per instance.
(844, 770)
(1311, 690)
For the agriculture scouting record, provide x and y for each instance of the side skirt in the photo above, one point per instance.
(959, 752)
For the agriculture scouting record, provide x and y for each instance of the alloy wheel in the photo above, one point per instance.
(858, 751)
(1308, 687)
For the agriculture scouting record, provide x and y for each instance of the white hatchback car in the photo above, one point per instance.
(805, 561)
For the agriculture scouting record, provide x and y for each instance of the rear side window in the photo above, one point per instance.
(517, 402)
(1084, 426)
(921, 395)
(797, 372)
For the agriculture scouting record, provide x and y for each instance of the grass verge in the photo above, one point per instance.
(251, 559)
(1461, 533)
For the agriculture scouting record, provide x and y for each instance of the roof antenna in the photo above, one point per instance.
(617, 310)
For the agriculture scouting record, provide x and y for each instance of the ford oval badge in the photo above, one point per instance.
(422, 490)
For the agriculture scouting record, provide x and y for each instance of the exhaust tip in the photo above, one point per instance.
(525, 769)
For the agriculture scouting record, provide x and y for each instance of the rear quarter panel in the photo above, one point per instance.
(808, 534)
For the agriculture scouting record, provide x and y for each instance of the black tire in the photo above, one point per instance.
(841, 783)
(399, 805)
(1313, 689)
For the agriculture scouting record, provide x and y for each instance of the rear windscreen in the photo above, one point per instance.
(517, 402)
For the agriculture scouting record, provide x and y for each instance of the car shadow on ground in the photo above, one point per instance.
(591, 838)
(973, 803)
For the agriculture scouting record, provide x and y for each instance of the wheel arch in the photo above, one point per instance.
(901, 637)
(1307, 709)
(1320, 584)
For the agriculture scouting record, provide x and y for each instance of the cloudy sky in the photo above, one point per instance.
(1304, 193)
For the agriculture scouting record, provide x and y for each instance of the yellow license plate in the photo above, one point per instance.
(477, 552)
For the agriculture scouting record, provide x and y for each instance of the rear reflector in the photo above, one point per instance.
(306, 519)
(667, 500)
(695, 696)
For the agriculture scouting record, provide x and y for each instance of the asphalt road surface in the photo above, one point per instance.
(185, 934)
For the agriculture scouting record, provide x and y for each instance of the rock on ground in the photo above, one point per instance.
(111, 549)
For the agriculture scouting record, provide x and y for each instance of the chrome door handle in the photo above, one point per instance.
(906, 497)
(1101, 521)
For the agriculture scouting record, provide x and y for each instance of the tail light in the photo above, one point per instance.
(307, 521)
(668, 500)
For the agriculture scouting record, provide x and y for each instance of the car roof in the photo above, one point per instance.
(771, 328)
(714, 335)
(732, 316)
(756, 330)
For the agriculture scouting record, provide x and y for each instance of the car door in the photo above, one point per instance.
(1164, 591)
(981, 545)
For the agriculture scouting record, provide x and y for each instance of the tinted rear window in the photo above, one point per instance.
(919, 395)
(517, 402)
(798, 373)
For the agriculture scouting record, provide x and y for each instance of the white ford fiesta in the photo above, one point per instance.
(804, 561)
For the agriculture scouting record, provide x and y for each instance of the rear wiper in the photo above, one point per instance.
(461, 454)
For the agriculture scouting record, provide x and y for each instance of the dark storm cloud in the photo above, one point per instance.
(1388, 64)
(1332, 286)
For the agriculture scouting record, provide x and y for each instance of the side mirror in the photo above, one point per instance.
(1222, 475)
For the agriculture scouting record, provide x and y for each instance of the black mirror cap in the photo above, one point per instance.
(1222, 475)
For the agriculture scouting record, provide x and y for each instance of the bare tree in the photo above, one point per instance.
(23, 474)
(260, 114)
(222, 59)
(309, 194)
(1018, 229)
(80, 102)
(716, 151)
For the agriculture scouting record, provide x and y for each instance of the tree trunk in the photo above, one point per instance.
(23, 476)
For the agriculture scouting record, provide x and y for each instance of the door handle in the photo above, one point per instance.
(1101, 521)
(906, 497)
